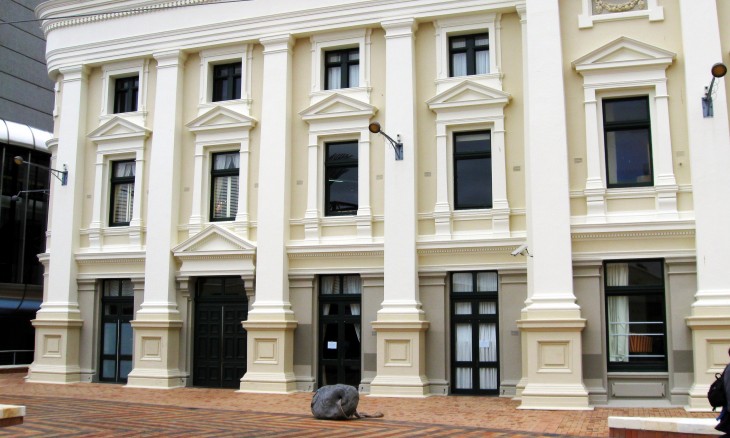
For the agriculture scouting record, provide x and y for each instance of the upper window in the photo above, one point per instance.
(635, 316)
(627, 136)
(122, 193)
(469, 55)
(342, 68)
(224, 186)
(125, 94)
(472, 170)
(226, 82)
(340, 182)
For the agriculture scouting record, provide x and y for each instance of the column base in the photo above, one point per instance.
(710, 342)
(554, 363)
(401, 367)
(269, 356)
(56, 351)
(156, 354)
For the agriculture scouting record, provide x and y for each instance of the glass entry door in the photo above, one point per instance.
(117, 307)
(474, 333)
(340, 330)
(219, 340)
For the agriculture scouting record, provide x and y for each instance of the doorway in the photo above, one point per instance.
(117, 311)
(340, 330)
(219, 343)
(474, 333)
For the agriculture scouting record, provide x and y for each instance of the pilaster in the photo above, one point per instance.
(551, 324)
(401, 324)
(709, 146)
(271, 321)
(58, 322)
(157, 324)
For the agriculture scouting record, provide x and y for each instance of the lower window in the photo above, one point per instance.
(635, 315)
(117, 311)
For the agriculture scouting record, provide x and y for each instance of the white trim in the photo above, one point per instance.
(112, 71)
(117, 139)
(225, 55)
(624, 68)
(470, 24)
(324, 42)
(220, 129)
(587, 18)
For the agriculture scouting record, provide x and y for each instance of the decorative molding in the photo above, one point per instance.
(214, 241)
(626, 6)
(613, 11)
(613, 235)
(118, 128)
(91, 258)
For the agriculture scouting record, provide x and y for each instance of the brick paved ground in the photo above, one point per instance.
(105, 410)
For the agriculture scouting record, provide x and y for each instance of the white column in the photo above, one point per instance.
(157, 324)
(271, 321)
(551, 322)
(243, 174)
(58, 322)
(364, 213)
(665, 184)
(311, 216)
(709, 146)
(135, 232)
(401, 322)
(500, 206)
(442, 209)
(595, 190)
(196, 214)
(98, 204)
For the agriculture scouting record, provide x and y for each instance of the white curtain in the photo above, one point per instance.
(462, 308)
(462, 282)
(327, 286)
(463, 353)
(482, 62)
(487, 342)
(487, 378)
(487, 282)
(334, 75)
(351, 285)
(459, 66)
(354, 76)
(617, 274)
(487, 308)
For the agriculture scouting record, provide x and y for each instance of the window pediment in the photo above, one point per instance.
(214, 240)
(624, 53)
(338, 106)
(118, 128)
(219, 118)
(468, 94)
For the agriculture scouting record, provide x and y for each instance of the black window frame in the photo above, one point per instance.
(339, 164)
(222, 173)
(118, 302)
(459, 156)
(344, 64)
(228, 74)
(126, 92)
(627, 125)
(115, 181)
(470, 49)
(652, 290)
(474, 319)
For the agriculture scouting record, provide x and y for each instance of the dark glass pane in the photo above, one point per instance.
(225, 197)
(127, 288)
(108, 369)
(109, 345)
(126, 339)
(458, 43)
(342, 189)
(333, 57)
(474, 183)
(212, 286)
(625, 110)
(330, 344)
(645, 273)
(477, 142)
(226, 161)
(125, 367)
(628, 155)
(337, 152)
(124, 169)
(111, 288)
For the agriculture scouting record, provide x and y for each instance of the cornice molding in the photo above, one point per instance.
(612, 235)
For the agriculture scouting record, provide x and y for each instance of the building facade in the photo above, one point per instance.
(549, 231)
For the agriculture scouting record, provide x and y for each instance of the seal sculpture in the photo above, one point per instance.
(337, 402)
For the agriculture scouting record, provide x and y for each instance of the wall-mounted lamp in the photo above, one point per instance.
(397, 145)
(718, 70)
(18, 198)
(61, 175)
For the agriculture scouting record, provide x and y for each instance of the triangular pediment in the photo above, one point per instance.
(624, 52)
(338, 105)
(214, 240)
(116, 128)
(468, 93)
(220, 117)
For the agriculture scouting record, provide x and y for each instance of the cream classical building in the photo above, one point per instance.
(554, 229)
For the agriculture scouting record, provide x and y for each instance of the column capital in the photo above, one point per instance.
(169, 58)
(72, 73)
(399, 27)
(277, 43)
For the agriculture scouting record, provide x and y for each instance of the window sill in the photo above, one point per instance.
(359, 93)
(491, 80)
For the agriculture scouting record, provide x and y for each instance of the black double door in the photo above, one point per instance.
(219, 339)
